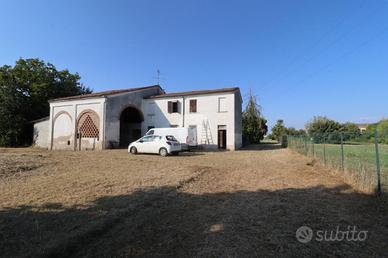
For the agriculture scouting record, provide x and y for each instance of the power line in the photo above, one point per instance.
(313, 46)
(345, 54)
(328, 46)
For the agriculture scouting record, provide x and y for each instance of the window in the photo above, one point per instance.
(222, 104)
(150, 132)
(193, 105)
(175, 107)
(171, 138)
(151, 109)
(88, 126)
(173, 126)
(172, 106)
(149, 138)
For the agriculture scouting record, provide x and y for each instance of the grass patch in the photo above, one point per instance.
(359, 160)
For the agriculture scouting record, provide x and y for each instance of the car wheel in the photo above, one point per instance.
(163, 152)
(133, 150)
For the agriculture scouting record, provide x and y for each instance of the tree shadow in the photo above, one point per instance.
(167, 222)
(265, 146)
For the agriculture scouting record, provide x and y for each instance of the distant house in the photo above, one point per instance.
(362, 127)
(113, 119)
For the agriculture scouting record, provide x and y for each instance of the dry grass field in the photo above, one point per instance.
(247, 203)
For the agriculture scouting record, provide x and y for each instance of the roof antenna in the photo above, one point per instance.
(158, 76)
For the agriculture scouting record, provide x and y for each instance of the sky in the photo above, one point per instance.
(300, 58)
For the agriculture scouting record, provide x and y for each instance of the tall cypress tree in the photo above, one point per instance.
(254, 125)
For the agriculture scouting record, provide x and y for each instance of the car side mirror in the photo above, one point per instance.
(141, 141)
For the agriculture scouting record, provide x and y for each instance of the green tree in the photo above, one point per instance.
(254, 125)
(294, 132)
(278, 130)
(322, 128)
(350, 131)
(321, 125)
(25, 90)
(382, 131)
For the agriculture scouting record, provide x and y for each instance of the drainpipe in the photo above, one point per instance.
(103, 143)
(76, 128)
(183, 110)
(52, 128)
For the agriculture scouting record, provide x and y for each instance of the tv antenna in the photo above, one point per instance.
(158, 76)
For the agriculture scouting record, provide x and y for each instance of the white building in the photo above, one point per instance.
(113, 119)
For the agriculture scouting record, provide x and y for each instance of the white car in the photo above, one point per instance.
(164, 145)
(187, 136)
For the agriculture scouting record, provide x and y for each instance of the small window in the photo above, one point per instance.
(148, 138)
(171, 138)
(193, 105)
(173, 106)
(174, 126)
(150, 132)
(222, 104)
(151, 109)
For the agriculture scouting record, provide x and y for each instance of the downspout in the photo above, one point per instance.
(183, 110)
(104, 125)
(76, 129)
(52, 128)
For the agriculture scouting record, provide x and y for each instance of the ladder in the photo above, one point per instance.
(206, 134)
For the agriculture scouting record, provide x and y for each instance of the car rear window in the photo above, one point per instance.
(171, 138)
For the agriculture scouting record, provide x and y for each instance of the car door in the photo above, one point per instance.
(154, 144)
(143, 144)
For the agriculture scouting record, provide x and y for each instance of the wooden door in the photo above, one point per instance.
(222, 139)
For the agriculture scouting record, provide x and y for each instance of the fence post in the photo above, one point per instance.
(342, 152)
(305, 145)
(377, 164)
(313, 147)
(324, 149)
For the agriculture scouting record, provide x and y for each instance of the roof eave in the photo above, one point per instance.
(178, 95)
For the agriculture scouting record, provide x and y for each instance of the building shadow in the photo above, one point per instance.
(168, 222)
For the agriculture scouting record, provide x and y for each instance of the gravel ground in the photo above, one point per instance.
(247, 203)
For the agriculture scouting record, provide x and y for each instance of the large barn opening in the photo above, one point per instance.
(130, 125)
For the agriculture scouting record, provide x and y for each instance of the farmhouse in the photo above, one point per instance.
(113, 119)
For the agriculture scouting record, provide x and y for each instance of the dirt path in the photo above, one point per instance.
(230, 204)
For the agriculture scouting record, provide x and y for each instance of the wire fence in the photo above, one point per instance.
(363, 159)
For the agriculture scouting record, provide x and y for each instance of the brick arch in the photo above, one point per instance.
(134, 107)
(131, 118)
(62, 113)
(61, 135)
(88, 124)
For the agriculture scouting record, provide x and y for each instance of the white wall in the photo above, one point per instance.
(156, 114)
(41, 134)
(115, 104)
(62, 133)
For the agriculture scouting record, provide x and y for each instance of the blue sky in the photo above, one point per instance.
(301, 58)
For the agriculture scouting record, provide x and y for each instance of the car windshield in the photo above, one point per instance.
(171, 138)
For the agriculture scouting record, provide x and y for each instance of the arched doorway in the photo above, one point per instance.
(88, 130)
(130, 125)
